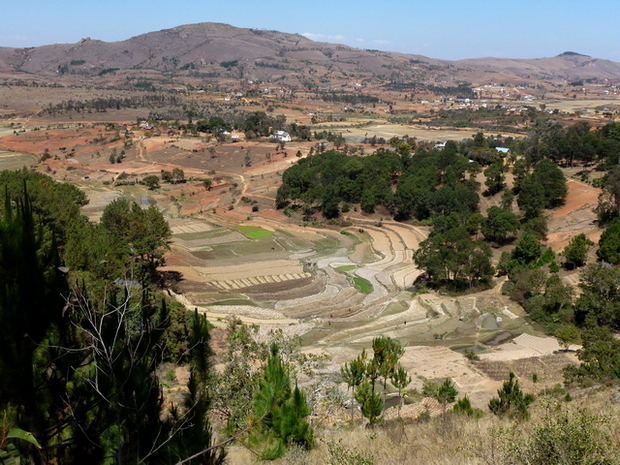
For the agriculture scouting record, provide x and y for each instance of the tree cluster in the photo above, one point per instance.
(575, 143)
(362, 374)
(419, 185)
(451, 257)
(83, 331)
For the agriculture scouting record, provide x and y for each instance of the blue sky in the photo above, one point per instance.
(436, 28)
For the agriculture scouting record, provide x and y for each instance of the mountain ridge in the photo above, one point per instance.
(219, 50)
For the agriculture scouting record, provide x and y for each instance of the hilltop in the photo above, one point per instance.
(216, 52)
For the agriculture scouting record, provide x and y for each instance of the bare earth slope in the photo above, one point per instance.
(222, 51)
(567, 65)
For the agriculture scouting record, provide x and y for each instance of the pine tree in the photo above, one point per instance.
(32, 322)
(511, 399)
(387, 352)
(371, 403)
(400, 379)
(353, 374)
(445, 394)
(279, 412)
(194, 432)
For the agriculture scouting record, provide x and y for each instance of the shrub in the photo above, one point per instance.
(471, 355)
(511, 400)
(569, 437)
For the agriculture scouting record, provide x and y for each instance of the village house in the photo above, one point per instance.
(282, 136)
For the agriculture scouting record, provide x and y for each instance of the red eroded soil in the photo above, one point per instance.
(53, 139)
(274, 215)
(576, 216)
(579, 195)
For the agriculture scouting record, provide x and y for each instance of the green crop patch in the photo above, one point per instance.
(345, 268)
(363, 285)
(253, 232)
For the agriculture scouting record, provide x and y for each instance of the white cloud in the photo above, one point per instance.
(359, 40)
(313, 36)
(381, 42)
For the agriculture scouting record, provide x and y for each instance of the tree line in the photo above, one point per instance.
(102, 104)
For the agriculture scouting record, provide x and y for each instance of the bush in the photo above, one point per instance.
(511, 400)
(569, 437)
(463, 407)
(471, 355)
(340, 455)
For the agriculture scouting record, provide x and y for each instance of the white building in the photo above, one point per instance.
(282, 136)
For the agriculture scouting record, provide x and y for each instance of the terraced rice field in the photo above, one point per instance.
(339, 291)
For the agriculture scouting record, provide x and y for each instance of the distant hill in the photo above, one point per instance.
(220, 51)
(568, 65)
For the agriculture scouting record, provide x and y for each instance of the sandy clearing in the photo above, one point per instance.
(6, 131)
(387, 131)
(405, 277)
(410, 236)
(185, 144)
(380, 242)
(439, 363)
(422, 363)
(278, 162)
(525, 346)
(156, 144)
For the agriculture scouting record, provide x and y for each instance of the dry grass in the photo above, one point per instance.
(453, 440)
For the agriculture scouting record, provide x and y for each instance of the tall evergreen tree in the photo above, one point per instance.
(353, 373)
(32, 323)
(387, 352)
(511, 400)
(279, 412)
(194, 432)
(400, 379)
(120, 402)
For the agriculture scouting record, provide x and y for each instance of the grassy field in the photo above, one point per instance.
(253, 232)
(15, 161)
(345, 268)
(363, 285)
